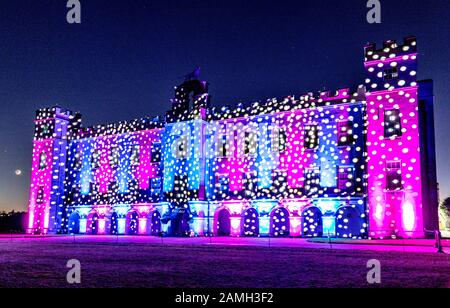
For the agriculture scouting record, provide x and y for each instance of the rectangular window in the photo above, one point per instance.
(279, 140)
(345, 133)
(311, 137)
(346, 178)
(280, 181)
(156, 183)
(250, 143)
(42, 161)
(390, 74)
(392, 123)
(312, 180)
(45, 131)
(114, 157)
(182, 147)
(250, 184)
(156, 186)
(394, 175)
(222, 146)
(95, 159)
(223, 184)
(78, 161)
(156, 153)
(180, 190)
(133, 185)
(40, 195)
(135, 156)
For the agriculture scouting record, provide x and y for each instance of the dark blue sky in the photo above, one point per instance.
(123, 61)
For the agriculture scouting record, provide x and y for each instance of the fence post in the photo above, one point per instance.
(438, 237)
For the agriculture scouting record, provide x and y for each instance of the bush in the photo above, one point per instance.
(12, 222)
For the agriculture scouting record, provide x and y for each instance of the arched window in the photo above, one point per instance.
(114, 229)
(312, 222)
(250, 223)
(223, 223)
(155, 224)
(280, 223)
(133, 225)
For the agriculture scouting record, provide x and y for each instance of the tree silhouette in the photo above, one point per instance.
(12, 222)
(445, 206)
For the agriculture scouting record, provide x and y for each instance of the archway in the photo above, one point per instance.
(312, 222)
(155, 220)
(74, 223)
(280, 223)
(133, 223)
(348, 222)
(114, 224)
(223, 226)
(94, 224)
(250, 226)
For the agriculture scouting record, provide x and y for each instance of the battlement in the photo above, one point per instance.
(290, 103)
(120, 128)
(54, 112)
(390, 49)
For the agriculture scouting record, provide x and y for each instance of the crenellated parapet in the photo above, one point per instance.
(390, 49)
(289, 103)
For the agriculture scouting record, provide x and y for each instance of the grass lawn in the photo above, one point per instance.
(43, 264)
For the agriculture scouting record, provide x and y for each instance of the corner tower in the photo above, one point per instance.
(394, 142)
(46, 209)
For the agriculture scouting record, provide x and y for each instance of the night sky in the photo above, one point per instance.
(123, 61)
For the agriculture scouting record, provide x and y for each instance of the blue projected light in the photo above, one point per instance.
(329, 225)
(264, 225)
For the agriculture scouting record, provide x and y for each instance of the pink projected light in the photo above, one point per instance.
(40, 191)
(393, 141)
(352, 164)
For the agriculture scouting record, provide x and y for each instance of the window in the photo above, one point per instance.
(390, 74)
(250, 143)
(114, 157)
(78, 160)
(223, 182)
(40, 195)
(156, 186)
(345, 133)
(250, 184)
(280, 181)
(311, 137)
(135, 156)
(312, 180)
(222, 146)
(156, 183)
(182, 147)
(42, 161)
(95, 159)
(279, 140)
(346, 176)
(392, 123)
(156, 153)
(394, 175)
(44, 131)
(180, 190)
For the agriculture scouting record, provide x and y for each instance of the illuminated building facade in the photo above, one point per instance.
(349, 164)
